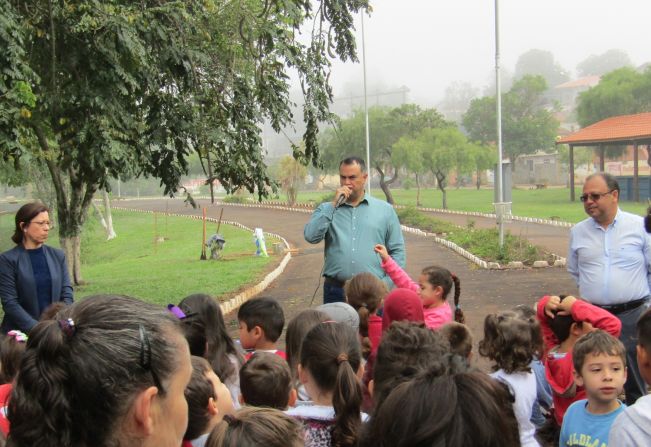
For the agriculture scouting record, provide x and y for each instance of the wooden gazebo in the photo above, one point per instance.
(626, 130)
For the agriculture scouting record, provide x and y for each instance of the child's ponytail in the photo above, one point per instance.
(331, 353)
(45, 368)
(346, 400)
(365, 292)
(459, 317)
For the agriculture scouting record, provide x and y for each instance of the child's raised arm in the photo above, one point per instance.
(395, 272)
(596, 316)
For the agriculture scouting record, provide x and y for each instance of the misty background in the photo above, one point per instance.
(434, 53)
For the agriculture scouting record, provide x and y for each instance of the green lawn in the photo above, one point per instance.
(165, 272)
(543, 203)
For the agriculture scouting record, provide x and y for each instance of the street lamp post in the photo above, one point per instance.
(368, 145)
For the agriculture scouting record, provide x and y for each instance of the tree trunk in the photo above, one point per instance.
(417, 190)
(100, 216)
(440, 181)
(478, 179)
(384, 184)
(110, 231)
(210, 180)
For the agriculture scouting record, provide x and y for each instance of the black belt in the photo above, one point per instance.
(334, 282)
(621, 308)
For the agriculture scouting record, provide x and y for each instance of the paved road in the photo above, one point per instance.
(482, 291)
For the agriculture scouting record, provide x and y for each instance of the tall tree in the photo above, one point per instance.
(291, 176)
(527, 125)
(95, 89)
(541, 63)
(482, 158)
(600, 64)
(620, 92)
(408, 153)
(456, 99)
(441, 149)
(386, 127)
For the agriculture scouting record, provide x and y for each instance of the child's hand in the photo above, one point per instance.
(382, 251)
(552, 305)
(565, 307)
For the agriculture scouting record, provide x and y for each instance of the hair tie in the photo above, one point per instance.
(68, 327)
(230, 419)
(365, 306)
(343, 357)
(19, 336)
(176, 311)
(458, 306)
(453, 276)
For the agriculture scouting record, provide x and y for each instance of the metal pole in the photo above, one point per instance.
(498, 95)
(368, 145)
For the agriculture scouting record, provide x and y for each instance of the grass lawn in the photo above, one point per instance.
(165, 272)
(543, 203)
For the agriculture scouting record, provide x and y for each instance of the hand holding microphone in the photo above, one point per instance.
(341, 195)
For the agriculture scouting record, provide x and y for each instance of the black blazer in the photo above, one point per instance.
(18, 287)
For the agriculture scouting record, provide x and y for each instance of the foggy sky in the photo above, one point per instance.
(428, 44)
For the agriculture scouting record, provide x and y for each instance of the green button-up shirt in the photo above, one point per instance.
(350, 234)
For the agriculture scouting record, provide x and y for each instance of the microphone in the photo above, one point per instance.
(340, 201)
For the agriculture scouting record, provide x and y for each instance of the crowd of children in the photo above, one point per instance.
(384, 369)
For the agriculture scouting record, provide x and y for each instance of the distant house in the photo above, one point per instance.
(567, 93)
(540, 168)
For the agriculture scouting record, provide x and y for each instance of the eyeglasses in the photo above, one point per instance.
(42, 223)
(594, 196)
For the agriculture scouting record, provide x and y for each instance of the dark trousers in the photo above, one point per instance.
(634, 386)
(333, 293)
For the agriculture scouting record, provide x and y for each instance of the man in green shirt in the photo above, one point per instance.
(352, 224)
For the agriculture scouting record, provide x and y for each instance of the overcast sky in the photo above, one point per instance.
(427, 44)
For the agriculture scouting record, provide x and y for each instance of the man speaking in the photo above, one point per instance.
(352, 224)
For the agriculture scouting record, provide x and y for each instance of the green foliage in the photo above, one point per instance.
(291, 175)
(527, 125)
(411, 217)
(386, 127)
(599, 64)
(236, 199)
(98, 90)
(621, 92)
(484, 243)
(540, 63)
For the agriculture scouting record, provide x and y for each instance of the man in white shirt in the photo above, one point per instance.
(610, 260)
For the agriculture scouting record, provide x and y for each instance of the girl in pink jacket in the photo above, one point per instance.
(434, 285)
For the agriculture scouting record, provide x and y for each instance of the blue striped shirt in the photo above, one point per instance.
(612, 265)
(350, 234)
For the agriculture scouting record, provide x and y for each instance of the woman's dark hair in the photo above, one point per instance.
(12, 350)
(207, 336)
(439, 276)
(80, 373)
(331, 354)
(24, 216)
(198, 394)
(406, 350)
(257, 427)
(459, 410)
(508, 342)
(297, 328)
(365, 292)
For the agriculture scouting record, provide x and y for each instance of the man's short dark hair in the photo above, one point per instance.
(265, 381)
(266, 313)
(595, 343)
(611, 181)
(354, 160)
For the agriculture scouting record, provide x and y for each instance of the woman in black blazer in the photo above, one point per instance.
(32, 274)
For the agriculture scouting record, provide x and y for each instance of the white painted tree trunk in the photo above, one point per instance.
(110, 232)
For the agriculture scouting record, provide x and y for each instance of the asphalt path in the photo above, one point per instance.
(482, 291)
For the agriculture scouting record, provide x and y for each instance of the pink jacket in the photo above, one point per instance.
(435, 317)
